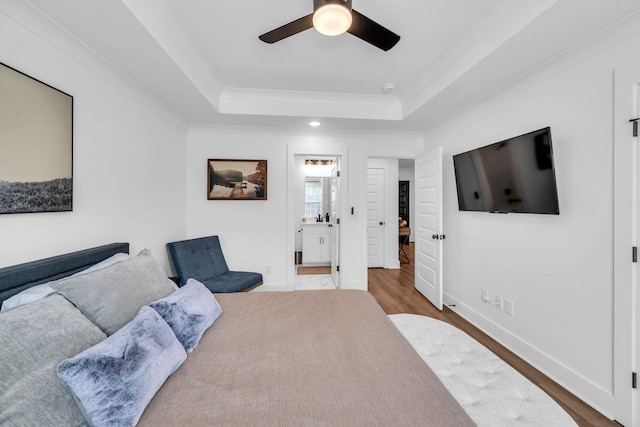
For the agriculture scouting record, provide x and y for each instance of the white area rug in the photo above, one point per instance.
(490, 391)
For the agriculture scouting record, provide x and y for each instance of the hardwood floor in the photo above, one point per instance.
(395, 292)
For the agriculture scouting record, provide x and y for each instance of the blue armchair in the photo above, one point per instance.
(202, 259)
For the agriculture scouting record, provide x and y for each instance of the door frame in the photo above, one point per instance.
(335, 222)
(625, 173)
(311, 148)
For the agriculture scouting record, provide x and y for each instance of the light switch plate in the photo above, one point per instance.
(508, 307)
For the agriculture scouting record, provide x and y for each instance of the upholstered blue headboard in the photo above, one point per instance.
(19, 277)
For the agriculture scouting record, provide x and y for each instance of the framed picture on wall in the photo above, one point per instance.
(236, 179)
(36, 145)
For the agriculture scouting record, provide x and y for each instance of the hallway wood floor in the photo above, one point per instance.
(395, 292)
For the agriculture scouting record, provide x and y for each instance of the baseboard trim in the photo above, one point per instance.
(393, 265)
(597, 397)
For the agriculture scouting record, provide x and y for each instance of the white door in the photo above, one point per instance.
(428, 226)
(626, 219)
(375, 217)
(335, 223)
(635, 318)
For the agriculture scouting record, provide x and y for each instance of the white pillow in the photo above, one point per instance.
(40, 291)
(102, 264)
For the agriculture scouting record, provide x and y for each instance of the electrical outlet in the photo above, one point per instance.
(484, 295)
(508, 307)
(499, 302)
(267, 269)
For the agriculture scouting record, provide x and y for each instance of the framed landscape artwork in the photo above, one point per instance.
(36, 145)
(236, 179)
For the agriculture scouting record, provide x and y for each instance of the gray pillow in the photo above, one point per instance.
(115, 380)
(34, 339)
(111, 297)
(189, 311)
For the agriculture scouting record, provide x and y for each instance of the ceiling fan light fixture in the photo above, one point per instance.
(332, 19)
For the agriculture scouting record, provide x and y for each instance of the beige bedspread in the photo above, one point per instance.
(312, 358)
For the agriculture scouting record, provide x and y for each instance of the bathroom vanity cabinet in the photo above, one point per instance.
(316, 243)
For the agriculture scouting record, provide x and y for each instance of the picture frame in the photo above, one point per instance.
(232, 179)
(36, 145)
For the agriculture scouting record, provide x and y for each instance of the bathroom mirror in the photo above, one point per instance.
(317, 193)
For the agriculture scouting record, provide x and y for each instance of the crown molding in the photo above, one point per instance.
(159, 18)
(476, 44)
(310, 104)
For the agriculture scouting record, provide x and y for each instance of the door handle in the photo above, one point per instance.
(439, 236)
(381, 222)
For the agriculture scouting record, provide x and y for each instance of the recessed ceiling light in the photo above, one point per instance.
(314, 123)
(388, 87)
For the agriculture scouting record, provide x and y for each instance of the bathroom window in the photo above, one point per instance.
(312, 198)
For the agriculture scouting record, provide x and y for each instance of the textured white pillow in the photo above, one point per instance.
(40, 291)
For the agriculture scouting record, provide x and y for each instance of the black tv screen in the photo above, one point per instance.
(514, 175)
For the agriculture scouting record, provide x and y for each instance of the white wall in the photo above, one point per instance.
(557, 270)
(255, 234)
(128, 153)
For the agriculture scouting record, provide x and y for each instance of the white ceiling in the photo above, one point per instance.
(204, 60)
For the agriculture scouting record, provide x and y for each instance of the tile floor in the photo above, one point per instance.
(306, 282)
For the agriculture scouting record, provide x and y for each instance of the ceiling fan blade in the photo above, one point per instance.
(372, 32)
(287, 30)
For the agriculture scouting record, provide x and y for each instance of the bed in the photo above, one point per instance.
(316, 358)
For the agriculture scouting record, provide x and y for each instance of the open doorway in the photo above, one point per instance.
(406, 209)
(316, 203)
(406, 194)
(385, 201)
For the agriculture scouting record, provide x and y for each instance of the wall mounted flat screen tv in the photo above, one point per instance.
(514, 175)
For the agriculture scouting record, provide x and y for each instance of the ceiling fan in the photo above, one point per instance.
(334, 17)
